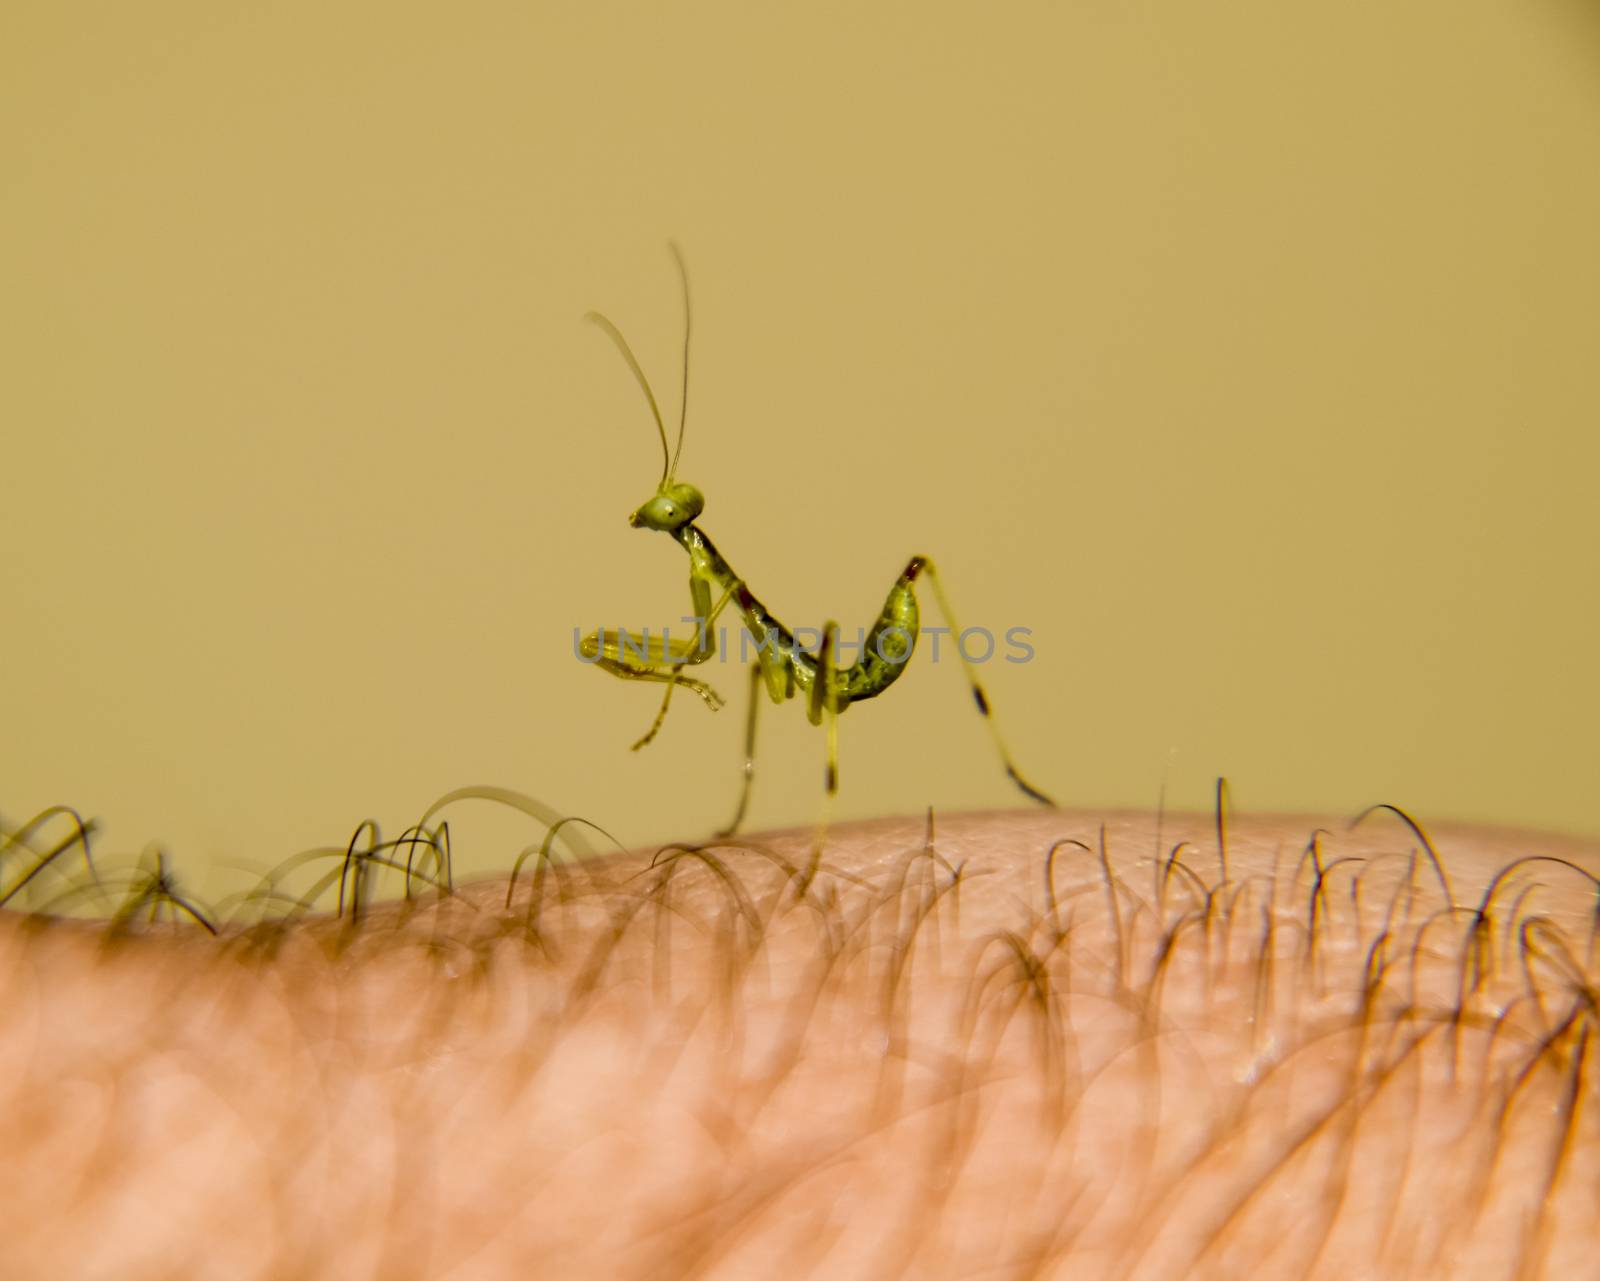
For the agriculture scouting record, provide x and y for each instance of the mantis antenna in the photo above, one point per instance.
(683, 407)
(644, 383)
(669, 461)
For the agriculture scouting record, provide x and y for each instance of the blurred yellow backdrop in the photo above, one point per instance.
(1246, 353)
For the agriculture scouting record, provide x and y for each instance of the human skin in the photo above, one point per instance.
(916, 1057)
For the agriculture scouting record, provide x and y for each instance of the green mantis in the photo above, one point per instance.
(785, 668)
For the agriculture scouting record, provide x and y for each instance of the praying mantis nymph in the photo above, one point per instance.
(785, 668)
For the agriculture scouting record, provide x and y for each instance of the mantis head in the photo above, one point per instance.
(675, 504)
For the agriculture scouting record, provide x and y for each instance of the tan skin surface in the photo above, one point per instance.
(916, 1060)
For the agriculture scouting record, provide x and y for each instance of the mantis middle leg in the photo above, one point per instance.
(771, 671)
(749, 775)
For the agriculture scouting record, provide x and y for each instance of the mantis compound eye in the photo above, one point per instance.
(686, 501)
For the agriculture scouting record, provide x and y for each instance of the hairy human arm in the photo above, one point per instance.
(1012, 1045)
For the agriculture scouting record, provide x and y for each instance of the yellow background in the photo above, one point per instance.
(1245, 352)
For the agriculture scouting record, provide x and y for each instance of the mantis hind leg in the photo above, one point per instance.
(825, 704)
(922, 565)
(823, 708)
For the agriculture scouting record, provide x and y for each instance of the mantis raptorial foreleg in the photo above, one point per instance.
(705, 646)
(642, 657)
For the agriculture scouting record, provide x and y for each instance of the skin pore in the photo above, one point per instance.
(1009, 1045)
